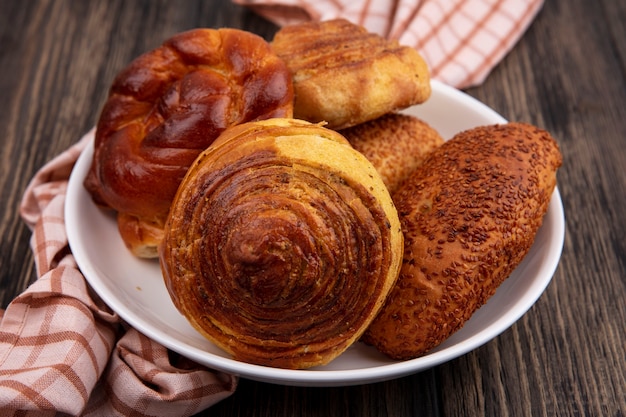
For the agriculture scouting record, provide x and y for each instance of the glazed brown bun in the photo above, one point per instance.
(469, 215)
(395, 143)
(282, 244)
(344, 75)
(165, 108)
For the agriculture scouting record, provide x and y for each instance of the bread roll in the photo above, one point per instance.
(396, 144)
(469, 215)
(344, 75)
(165, 108)
(282, 244)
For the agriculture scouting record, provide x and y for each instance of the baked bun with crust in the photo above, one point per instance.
(469, 215)
(395, 143)
(344, 75)
(282, 244)
(169, 105)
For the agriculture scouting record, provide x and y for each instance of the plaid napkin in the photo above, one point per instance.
(62, 350)
(461, 40)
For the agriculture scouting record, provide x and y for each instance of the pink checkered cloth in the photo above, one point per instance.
(62, 350)
(461, 40)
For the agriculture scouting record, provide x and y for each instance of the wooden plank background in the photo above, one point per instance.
(565, 357)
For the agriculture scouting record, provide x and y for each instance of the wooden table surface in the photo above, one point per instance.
(566, 356)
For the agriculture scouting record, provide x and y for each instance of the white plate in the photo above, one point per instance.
(134, 288)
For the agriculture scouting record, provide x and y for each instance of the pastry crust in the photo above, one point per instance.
(282, 244)
(469, 215)
(344, 75)
(141, 236)
(395, 143)
(166, 107)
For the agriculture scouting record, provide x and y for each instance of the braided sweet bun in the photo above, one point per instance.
(169, 105)
(282, 244)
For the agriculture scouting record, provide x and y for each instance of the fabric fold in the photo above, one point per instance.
(62, 350)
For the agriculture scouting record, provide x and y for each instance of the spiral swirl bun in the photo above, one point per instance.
(282, 243)
(166, 107)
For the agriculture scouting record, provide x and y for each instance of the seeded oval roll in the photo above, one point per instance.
(395, 143)
(282, 244)
(469, 215)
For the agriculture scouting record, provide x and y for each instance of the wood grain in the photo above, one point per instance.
(565, 357)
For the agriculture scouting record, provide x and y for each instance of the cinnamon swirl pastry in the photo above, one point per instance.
(469, 214)
(165, 108)
(282, 244)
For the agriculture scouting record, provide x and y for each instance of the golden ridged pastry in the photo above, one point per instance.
(282, 244)
(396, 144)
(169, 105)
(344, 75)
(469, 215)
